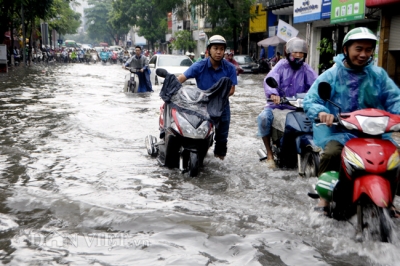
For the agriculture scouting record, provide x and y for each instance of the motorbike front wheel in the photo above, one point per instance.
(374, 223)
(311, 161)
(193, 164)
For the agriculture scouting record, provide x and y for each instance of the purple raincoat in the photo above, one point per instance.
(289, 80)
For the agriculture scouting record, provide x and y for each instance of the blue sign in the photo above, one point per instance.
(326, 9)
(306, 10)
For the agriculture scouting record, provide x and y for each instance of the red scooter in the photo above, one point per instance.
(114, 57)
(369, 176)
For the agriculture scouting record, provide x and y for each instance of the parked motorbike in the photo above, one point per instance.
(37, 56)
(369, 173)
(131, 84)
(185, 134)
(292, 137)
(17, 59)
(264, 65)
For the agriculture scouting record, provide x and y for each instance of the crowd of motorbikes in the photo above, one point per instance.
(70, 55)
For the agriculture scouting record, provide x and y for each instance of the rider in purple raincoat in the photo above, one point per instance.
(293, 76)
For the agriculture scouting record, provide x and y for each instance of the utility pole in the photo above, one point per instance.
(23, 34)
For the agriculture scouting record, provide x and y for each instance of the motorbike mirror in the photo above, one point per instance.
(161, 72)
(272, 82)
(324, 90)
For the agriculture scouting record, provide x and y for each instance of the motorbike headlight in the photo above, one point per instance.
(189, 131)
(373, 125)
(353, 159)
(175, 127)
(394, 161)
(348, 125)
(395, 127)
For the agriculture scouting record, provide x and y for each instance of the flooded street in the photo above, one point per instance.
(78, 187)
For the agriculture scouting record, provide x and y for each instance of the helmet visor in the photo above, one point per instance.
(296, 45)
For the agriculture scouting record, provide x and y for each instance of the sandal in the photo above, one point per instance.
(325, 210)
(394, 213)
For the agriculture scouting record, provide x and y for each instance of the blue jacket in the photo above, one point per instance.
(352, 90)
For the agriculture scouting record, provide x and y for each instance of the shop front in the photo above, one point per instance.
(389, 41)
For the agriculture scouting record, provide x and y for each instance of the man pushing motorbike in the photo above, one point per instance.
(356, 83)
(141, 63)
(207, 72)
(293, 76)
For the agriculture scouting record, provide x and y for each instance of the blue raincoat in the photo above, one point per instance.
(352, 90)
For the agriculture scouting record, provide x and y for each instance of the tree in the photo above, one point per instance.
(227, 17)
(149, 15)
(103, 26)
(183, 40)
(62, 18)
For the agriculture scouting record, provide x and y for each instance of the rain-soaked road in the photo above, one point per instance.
(78, 188)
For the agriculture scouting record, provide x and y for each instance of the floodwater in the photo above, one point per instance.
(78, 188)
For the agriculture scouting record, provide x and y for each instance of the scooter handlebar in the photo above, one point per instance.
(318, 122)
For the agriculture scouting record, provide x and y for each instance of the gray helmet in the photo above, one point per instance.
(296, 45)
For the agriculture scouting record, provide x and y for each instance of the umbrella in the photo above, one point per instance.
(271, 41)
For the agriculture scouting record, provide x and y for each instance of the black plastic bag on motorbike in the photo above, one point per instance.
(207, 104)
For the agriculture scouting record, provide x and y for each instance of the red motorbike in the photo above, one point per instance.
(114, 57)
(369, 174)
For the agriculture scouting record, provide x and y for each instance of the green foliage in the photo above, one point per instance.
(102, 23)
(227, 17)
(325, 47)
(149, 15)
(62, 18)
(183, 41)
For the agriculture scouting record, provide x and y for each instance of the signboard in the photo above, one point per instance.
(326, 9)
(169, 20)
(306, 10)
(342, 11)
(3, 58)
(271, 31)
(202, 35)
(3, 52)
(286, 31)
(378, 3)
(258, 23)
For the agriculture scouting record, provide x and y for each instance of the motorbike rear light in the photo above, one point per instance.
(394, 161)
(352, 159)
(395, 128)
(373, 125)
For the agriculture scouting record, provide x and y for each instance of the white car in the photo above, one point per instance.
(116, 48)
(174, 64)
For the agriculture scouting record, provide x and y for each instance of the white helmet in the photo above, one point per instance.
(187, 53)
(192, 54)
(216, 39)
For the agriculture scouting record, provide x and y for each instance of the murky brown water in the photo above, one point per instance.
(78, 188)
